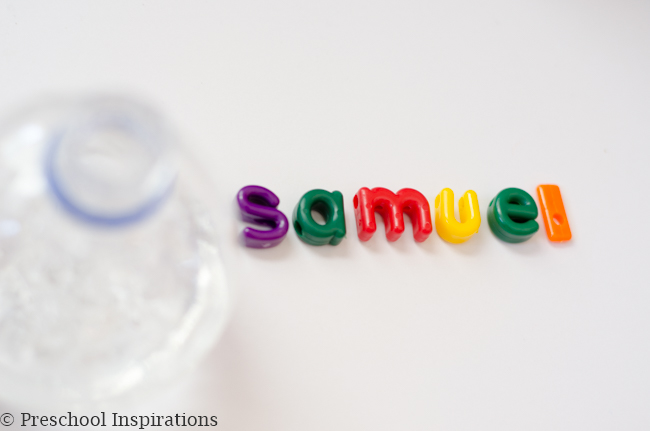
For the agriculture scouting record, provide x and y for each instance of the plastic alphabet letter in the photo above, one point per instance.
(512, 215)
(330, 206)
(258, 205)
(391, 207)
(447, 226)
(555, 220)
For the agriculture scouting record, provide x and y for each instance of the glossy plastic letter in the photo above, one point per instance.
(512, 215)
(447, 226)
(330, 206)
(555, 220)
(258, 205)
(391, 207)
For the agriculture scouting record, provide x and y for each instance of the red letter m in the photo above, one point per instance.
(391, 207)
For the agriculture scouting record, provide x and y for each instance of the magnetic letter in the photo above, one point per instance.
(330, 206)
(447, 226)
(258, 205)
(512, 215)
(555, 221)
(391, 206)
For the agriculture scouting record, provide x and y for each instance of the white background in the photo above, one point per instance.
(345, 94)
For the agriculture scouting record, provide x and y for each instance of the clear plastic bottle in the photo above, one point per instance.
(111, 280)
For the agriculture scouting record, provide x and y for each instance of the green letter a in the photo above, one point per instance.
(330, 206)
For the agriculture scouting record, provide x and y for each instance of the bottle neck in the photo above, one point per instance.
(111, 163)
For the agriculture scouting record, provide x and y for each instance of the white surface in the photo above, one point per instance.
(341, 95)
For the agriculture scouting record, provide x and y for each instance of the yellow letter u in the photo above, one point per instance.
(447, 226)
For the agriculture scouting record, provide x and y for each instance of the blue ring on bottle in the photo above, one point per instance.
(107, 220)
